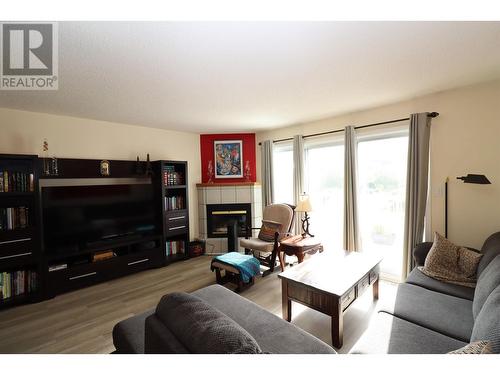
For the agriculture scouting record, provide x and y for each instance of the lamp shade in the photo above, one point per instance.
(475, 179)
(304, 204)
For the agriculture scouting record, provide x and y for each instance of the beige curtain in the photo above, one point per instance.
(267, 172)
(416, 185)
(298, 177)
(351, 226)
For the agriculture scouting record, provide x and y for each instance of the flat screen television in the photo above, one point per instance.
(76, 218)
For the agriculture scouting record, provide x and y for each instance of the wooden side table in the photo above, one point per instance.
(298, 246)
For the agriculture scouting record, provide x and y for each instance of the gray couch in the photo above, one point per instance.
(431, 316)
(164, 330)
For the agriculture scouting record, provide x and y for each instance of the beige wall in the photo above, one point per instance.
(465, 138)
(69, 137)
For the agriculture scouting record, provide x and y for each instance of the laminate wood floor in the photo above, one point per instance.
(82, 321)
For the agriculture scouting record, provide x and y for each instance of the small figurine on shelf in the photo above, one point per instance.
(46, 163)
(49, 164)
(210, 172)
(138, 168)
(105, 168)
(248, 174)
(149, 170)
(55, 170)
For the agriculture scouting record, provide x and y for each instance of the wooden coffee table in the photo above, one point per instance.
(298, 246)
(329, 283)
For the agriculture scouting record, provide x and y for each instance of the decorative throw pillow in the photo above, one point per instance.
(203, 329)
(451, 263)
(268, 229)
(476, 347)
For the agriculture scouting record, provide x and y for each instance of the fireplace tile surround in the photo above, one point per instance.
(223, 194)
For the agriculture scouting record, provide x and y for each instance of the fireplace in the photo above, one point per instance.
(220, 216)
(242, 196)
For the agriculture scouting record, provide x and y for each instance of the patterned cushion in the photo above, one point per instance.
(203, 329)
(476, 347)
(268, 229)
(451, 263)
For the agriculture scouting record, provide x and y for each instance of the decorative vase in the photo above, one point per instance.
(247, 171)
(210, 172)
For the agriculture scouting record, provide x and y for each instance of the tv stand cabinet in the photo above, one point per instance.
(78, 270)
(70, 271)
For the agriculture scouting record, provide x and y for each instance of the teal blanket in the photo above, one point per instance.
(246, 264)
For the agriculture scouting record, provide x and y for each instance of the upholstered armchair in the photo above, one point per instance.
(277, 220)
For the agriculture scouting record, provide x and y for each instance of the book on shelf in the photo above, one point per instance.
(14, 218)
(16, 182)
(171, 177)
(174, 203)
(17, 283)
(175, 247)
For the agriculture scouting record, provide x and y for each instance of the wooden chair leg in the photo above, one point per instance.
(274, 253)
(218, 276)
(281, 257)
(240, 287)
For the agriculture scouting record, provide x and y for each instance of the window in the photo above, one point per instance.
(283, 173)
(324, 182)
(382, 158)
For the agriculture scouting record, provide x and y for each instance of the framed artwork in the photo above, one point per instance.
(228, 157)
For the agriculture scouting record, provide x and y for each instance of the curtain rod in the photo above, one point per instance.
(431, 114)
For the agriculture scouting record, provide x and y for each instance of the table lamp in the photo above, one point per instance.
(304, 205)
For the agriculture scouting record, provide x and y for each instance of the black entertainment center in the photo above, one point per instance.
(88, 224)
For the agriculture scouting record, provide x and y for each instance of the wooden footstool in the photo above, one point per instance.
(231, 273)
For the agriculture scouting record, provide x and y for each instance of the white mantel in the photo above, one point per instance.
(220, 193)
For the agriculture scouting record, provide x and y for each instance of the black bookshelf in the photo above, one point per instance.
(22, 246)
(172, 186)
(20, 255)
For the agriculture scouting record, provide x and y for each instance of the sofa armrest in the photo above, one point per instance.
(420, 252)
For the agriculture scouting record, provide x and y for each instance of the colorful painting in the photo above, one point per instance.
(228, 159)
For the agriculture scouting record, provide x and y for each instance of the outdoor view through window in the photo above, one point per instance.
(324, 167)
(381, 197)
(283, 173)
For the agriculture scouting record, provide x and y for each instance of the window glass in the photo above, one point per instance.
(324, 183)
(382, 168)
(283, 173)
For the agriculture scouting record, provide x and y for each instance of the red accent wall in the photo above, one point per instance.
(207, 153)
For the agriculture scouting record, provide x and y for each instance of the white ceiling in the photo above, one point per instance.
(226, 77)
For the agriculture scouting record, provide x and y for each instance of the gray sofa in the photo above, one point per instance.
(164, 331)
(431, 316)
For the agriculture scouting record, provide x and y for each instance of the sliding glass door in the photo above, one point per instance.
(324, 182)
(382, 159)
